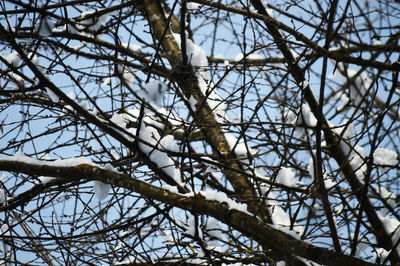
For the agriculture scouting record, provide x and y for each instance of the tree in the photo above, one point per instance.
(201, 132)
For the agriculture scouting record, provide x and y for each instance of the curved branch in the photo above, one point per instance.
(243, 222)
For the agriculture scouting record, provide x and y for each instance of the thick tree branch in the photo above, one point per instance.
(333, 140)
(110, 128)
(189, 85)
(245, 223)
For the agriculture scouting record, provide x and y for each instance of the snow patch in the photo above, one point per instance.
(212, 195)
(358, 88)
(92, 22)
(52, 95)
(381, 253)
(307, 116)
(45, 26)
(133, 47)
(101, 189)
(70, 162)
(127, 73)
(252, 56)
(192, 103)
(45, 179)
(355, 153)
(286, 177)
(3, 198)
(223, 198)
(239, 146)
(127, 261)
(302, 117)
(151, 146)
(106, 81)
(392, 227)
(328, 182)
(154, 92)
(198, 59)
(13, 59)
(387, 196)
(385, 157)
(192, 6)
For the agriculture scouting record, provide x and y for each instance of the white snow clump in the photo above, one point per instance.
(13, 59)
(286, 177)
(198, 59)
(385, 157)
(101, 189)
(154, 92)
(45, 27)
(156, 152)
(239, 146)
(93, 23)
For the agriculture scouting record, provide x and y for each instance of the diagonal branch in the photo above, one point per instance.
(333, 140)
(110, 128)
(190, 87)
(241, 221)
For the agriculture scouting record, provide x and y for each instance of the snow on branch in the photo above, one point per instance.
(241, 221)
(101, 189)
